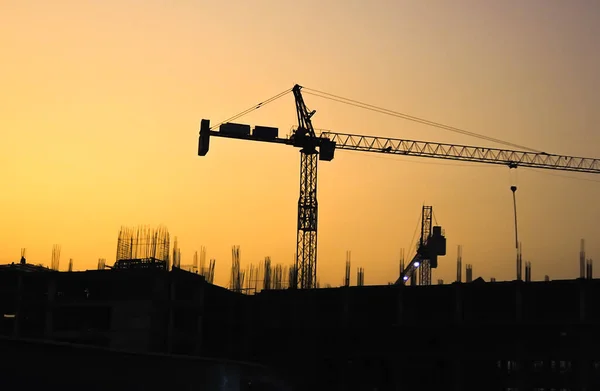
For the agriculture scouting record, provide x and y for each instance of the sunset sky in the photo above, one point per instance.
(101, 101)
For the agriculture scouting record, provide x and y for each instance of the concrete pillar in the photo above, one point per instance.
(171, 286)
(199, 301)
(345, 321)
(518, 302)
(583, 369)
(459, 316)
(159, 317)
(458, 372)
(49, 323)
(231, 321)
(583, 365)
(458, 305)
(18, 306)
(400, 306)
(582, 300)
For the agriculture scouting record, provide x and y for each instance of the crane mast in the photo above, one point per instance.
(427, 214)
(305, 271)
(315, 147)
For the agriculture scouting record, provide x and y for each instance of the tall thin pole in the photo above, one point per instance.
(514, 191)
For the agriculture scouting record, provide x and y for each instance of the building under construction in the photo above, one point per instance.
(519, 335)
(463, 336)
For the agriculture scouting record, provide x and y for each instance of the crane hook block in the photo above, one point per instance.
(204, 139)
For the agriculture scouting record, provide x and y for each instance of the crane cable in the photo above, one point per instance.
(393, 113)
(251, 109)
(374, 108)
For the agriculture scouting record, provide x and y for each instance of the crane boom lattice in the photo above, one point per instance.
(462, 152)
(425, 272)
(306, 245)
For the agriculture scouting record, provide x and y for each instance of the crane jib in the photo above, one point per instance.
(329, 141)
(476, 154)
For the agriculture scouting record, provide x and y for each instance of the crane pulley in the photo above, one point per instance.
(315, 147)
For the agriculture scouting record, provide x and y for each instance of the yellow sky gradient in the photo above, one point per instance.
(101, 101)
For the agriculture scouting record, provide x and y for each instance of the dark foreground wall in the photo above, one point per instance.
(29, 365)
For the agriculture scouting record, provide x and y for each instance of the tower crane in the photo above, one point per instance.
(432, 244)
(315, 147)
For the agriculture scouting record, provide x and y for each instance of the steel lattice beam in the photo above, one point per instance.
(306, 244)
(425, 269)
(462, 152)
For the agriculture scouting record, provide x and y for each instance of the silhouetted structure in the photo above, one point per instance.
(208, 271)
(176, 254)
(459, 264)
(469, 272)
(199, 265)
(431, 245)
(360, 277)
(143, 248)
(55, 263)
(347, 273)
(519, 262)
(315, 147)
(523, 335)
(101, 263)
(582, 266)
(236, 281)
(401, 261)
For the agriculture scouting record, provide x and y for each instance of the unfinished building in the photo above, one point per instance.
(138, 310)
(471, 336)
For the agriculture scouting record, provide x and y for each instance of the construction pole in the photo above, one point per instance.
(582, 265)
(519, 268)
(459, 264)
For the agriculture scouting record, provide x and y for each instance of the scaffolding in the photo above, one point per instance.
(236, 281)
(101, 263)
(255, 278)
(143, 248)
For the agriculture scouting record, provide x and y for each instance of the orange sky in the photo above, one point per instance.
(101, 103)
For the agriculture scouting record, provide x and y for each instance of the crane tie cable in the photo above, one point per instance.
(250, 109)
(377, 109)
(393, 113)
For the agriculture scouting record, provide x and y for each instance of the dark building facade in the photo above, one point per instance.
(138, 310)
(476, 336)
(479, 336)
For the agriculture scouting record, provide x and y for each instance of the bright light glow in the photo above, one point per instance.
(405, 278)
(417, 264)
